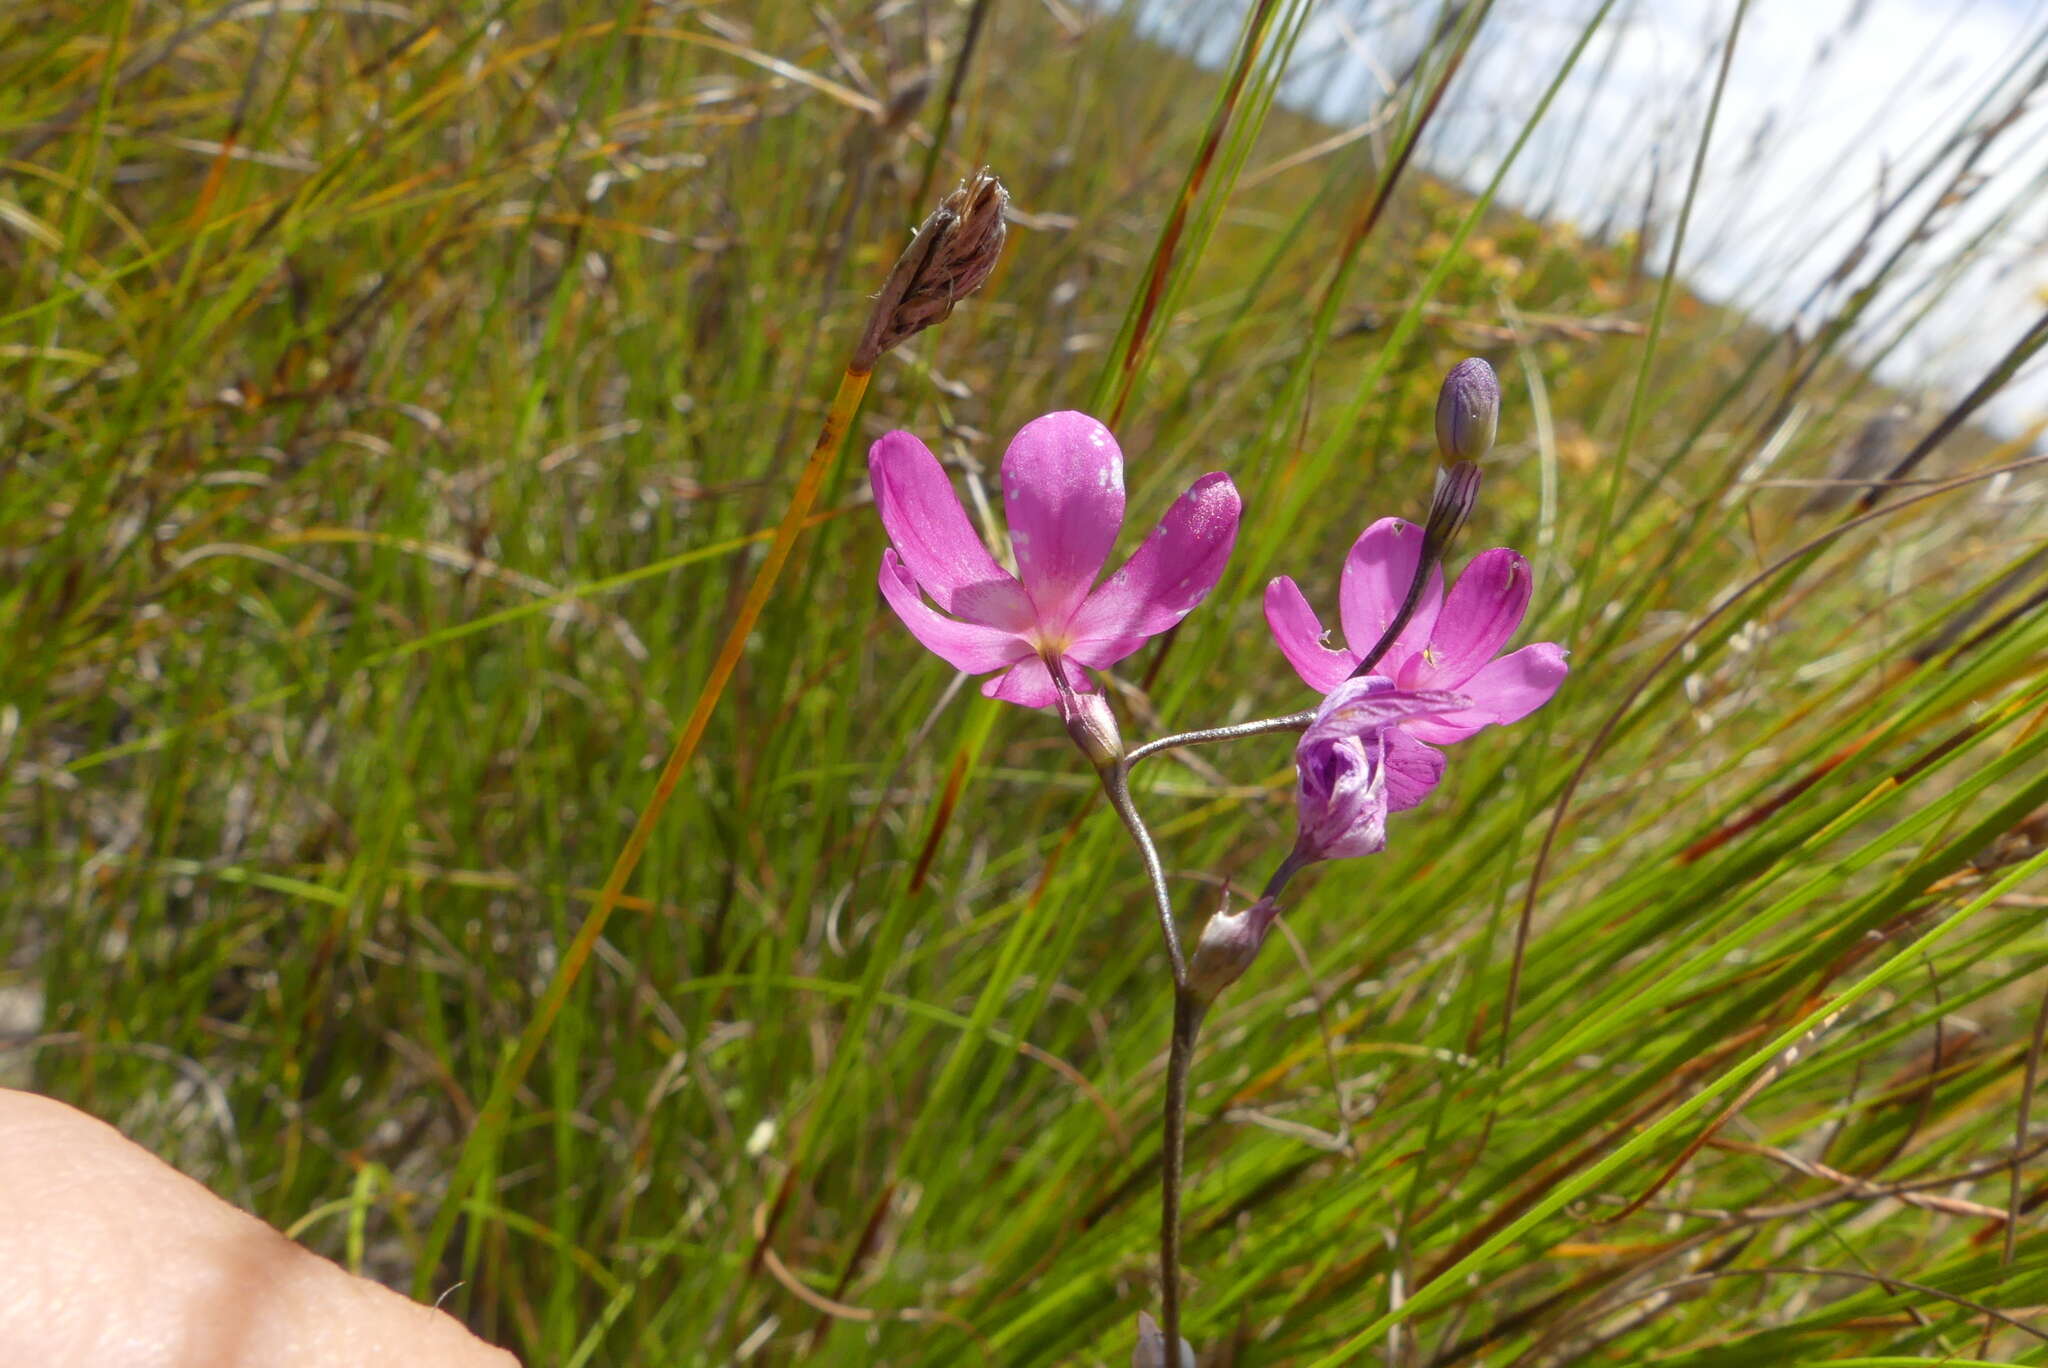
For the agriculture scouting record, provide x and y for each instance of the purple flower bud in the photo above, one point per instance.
(1467, 411)
(1229, 944)
(1093, 727)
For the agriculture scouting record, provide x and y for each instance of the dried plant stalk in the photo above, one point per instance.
(951, 256)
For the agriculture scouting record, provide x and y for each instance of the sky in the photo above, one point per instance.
(1831, 107)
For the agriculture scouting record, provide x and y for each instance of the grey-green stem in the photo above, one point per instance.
(1187, 1025)
(1291, 722)
(1116, 783)
(1188, 1007)
(1187, 1021)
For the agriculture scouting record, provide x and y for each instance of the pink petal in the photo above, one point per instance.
(931, 533)
(1063, 489)
(1376, 576)
(1029, 683)
(1299, 634)
(1165, 578)
(970, 646)
(1413, 769)
(1484, 609)
(1507, 690)
(1103, 652)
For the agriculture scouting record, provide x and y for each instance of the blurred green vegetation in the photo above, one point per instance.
(394, 399)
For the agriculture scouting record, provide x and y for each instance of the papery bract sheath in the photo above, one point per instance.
(1229, 943)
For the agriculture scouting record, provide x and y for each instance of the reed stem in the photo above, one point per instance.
(496, 1114)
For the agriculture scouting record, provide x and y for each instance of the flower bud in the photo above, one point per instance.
(1467, 411)
(1229, 944)
(1093, 727)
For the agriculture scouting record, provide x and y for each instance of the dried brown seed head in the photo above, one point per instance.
(949, 259)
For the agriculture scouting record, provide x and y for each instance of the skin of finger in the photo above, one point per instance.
(114, 1259)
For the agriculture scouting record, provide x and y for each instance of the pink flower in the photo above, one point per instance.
(1448, 645)
(1063, 492)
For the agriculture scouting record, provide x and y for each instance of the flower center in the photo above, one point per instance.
(1051, 645)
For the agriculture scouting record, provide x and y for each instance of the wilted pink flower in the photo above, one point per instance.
(1354, 765)
(1063, 492)
(1450, 642)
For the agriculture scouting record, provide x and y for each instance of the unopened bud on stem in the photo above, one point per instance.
(1467, 411)
(1229, 944)
(949, 259)
(1093, 727)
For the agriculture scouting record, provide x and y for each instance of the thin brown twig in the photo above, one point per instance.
(1728, 1222)
(961, 62)
(1890, 1284)
(838, 1310)
(2012, 1207)
(1785, 1060)
(1853, 1188)
(2019, 1151)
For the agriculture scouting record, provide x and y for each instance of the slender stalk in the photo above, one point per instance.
(1289, 867)
(1457, 490)
(1994, 380)
(1116, 784)
(1188, 1006)
(1120, 373)
(497, 1109)
(950, 257)
(1291, 722)
(1631, 428)
(1187, 1025)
